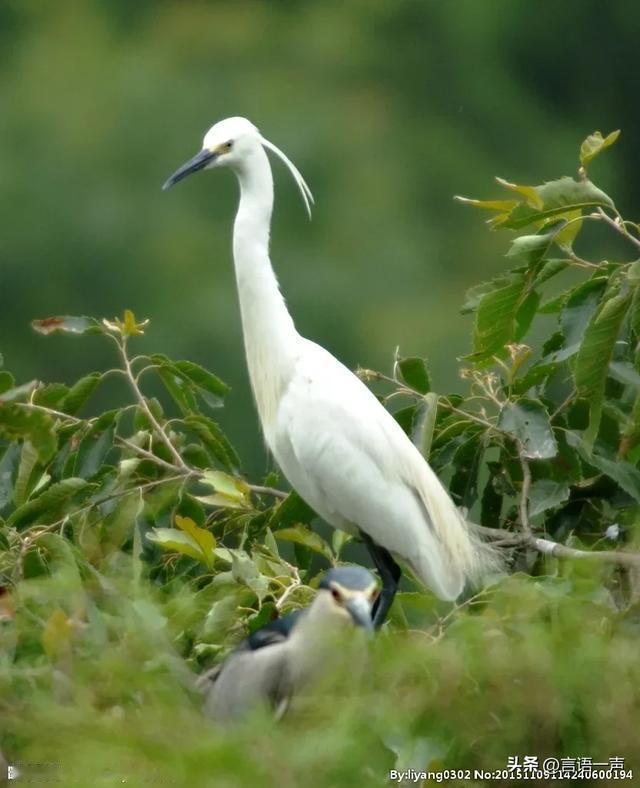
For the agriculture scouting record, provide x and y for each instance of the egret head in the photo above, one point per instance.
(352, 590)
(233, 142)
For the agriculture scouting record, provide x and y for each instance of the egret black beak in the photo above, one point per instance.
(360, 611)
(198, 162)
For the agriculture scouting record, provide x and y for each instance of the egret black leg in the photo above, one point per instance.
(389, 574)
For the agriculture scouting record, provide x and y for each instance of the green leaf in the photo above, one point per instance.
(594, 144)
(625, 475)
(8, 470)
(547, 494)
(466, 464)
(19, 423)
(211, 388)
(119, 525)
(52, 504)
(79, 393)
(414, 373)
(176, 541)
(229, 491)
(24, 481)
(625, 372)
(425, 422)
(579, 308)
(214, 440)
(245, 572)
(67, 324)
(592, 362)
(528, 422)
(7, 381)
(495, 324)
(203, 538)
(307, 538)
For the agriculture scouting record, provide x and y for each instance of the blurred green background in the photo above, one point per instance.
(388, 108)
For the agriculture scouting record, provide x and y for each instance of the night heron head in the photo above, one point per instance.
(352, 590)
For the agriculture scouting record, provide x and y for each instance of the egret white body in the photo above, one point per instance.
(336, 444)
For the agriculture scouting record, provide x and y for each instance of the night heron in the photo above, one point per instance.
(337, 445)
(281, 660)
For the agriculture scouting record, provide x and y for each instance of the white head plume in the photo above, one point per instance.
(305, 191)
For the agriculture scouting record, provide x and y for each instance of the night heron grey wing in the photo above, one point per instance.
(247, 680)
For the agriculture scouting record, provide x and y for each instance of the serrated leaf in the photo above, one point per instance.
(625, 475)
(79, 393)
(594, 144)
(50, 505)
(547, 494)
(414, 373)
(592, 361)
(528, 422)
(28, 461)
(495, 323)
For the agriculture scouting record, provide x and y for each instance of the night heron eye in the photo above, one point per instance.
(336, 595)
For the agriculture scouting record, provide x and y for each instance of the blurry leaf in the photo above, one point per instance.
(20, 393)
(525, 314)
(95, 446)
(178, 541)
(52, 504)
(530, 193)
(28, 461)
(203, 538)
(528, 422)
(8, 470)
(425, 421)
(56, 634)
(625, 372)
(338, 540)
(119, 525)
(549, 269)
(19, 423)
(307, 538)
(229, 491)
(546, 494)
(414, 373)
(67, 324)
(594, 144)
(214, 440)
(576, 314)
(466, 464)
(246, 573)
(7, 381)
(596, 349)
(491, 505)
(623, 473)
(79, 393)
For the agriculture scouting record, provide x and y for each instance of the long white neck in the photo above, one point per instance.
(270, 338)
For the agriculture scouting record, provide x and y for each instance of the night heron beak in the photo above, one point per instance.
(359, 609)
(198, 162)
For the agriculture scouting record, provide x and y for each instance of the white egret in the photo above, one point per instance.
(337, 445)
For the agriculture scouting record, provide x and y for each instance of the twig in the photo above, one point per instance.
(618, 226)
(145, 407)
(524, 496)
(148, 455)
(49, 411)
(549, 547)
(260, 490)
(296, 583)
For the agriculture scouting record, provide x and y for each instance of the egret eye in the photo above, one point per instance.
(228, 145)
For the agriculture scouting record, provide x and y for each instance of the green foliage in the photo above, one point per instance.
(135, 553)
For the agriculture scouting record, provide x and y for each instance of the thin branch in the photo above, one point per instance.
(619, 226)
(524, 496)
(49, 411)
(147, 410)
(260, 490)
(148, 455)
(296, 583)
(549, 547)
